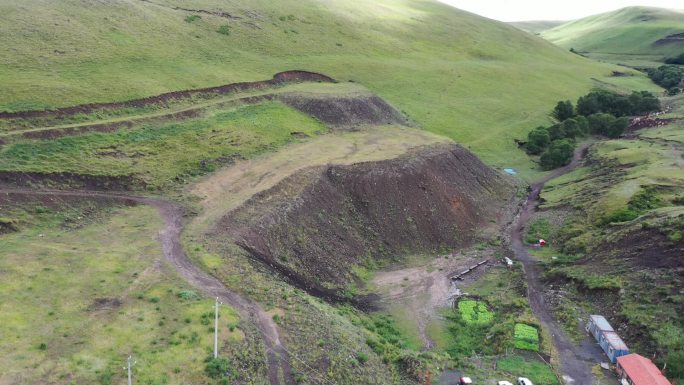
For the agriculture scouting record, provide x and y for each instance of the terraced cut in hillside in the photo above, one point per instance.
(316, 225)
(189, 137)
(436, 64)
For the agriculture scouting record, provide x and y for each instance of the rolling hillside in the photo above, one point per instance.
(453, 72)
(536, 26)
(633, 35)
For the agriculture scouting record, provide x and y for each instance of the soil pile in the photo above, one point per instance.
(346, 112)
(319, 224)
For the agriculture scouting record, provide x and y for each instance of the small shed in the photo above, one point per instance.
(597, 324)
(634, 369)
(612, 345)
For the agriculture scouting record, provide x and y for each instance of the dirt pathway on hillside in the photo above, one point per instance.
(575, 360)
(172, 214)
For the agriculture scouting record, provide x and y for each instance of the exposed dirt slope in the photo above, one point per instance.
(346, 111)
(319, 223)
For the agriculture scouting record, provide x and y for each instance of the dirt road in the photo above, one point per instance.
(172, 214)
(575, 360)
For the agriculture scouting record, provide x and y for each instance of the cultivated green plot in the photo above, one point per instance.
(474, 312)
(526, 337)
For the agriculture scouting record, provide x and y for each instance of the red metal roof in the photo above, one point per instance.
(641, 370)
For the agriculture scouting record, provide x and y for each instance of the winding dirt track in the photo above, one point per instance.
(575, 360)
(172, 214)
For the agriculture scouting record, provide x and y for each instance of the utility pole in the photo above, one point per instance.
(130, 380)
(216, 313)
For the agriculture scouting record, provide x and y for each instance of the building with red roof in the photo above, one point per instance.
(634, 369)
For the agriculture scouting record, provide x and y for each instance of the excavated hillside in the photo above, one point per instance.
(317, 225)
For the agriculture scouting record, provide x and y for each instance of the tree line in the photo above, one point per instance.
(599, 112)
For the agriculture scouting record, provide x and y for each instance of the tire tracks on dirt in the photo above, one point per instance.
(278, 363)
(574, 360)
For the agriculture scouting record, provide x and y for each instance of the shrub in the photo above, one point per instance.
(188, 295)
(602, 101)
(621, 215)
(643, 102)
(583, 124)
(217, 367)
(571, 128)
(563, 110)
(539, 229)
(558, 154)
(362, 357)
(224, 30)
(666, 76)
(556, 132)
(607, 125)
(646, 199)
(675, 60)
(537, 140)
(191, 18)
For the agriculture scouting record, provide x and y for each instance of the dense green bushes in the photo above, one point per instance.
(558, 154)
(667, 76)
(598, 112)
(598, 101)
(675, 60)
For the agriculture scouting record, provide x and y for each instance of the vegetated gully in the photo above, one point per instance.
(575, 360)
(169, 237)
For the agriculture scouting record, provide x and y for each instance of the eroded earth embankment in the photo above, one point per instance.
(320, 223)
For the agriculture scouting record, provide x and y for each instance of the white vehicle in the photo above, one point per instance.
(524, 381)
(504, 383)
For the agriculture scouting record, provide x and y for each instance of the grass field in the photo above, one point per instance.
(61, 327)
(479, 82)
(536, 26)
(159, 155)
(625, 36)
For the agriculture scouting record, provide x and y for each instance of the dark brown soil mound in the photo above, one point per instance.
(346, 112)
(317, 225)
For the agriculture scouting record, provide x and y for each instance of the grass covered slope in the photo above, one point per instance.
(475, 80)
(85, 286)
(536, 26)
(643, 31)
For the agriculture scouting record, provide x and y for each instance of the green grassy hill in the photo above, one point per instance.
(632, 35)
(536, 26)
(477, 81)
